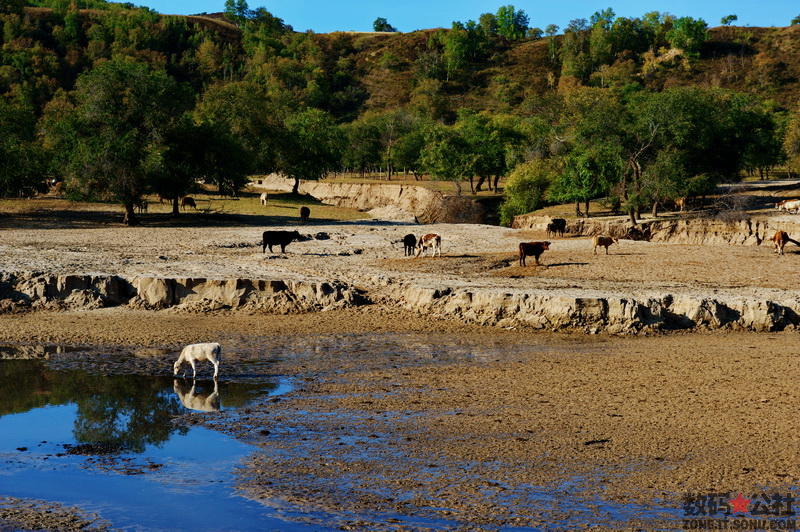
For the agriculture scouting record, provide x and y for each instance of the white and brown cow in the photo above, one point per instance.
(790, 205)
(430, 241)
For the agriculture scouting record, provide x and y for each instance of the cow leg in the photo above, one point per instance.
(522, 259)
(216, 369)
(194, 370)
(606, 250)
(270, 248)
(595, 250)
(283, 248)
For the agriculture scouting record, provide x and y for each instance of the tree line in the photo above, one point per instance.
(120, 102)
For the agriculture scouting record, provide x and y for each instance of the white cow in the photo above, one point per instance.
(264, 196)
(198, 353)
(195, 401)
(792, 206)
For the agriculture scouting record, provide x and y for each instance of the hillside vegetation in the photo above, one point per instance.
(119, 101)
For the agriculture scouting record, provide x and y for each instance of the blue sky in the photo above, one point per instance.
(326, 15)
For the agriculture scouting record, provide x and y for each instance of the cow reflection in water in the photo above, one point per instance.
(202, 402)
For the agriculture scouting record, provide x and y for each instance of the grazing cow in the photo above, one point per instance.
(409, 243)
(430, 241)
(198, 353)
(532, 249)
(305, 212)
(188, 201)
(680, 203)
(604, 241)
(264, 197)
(197, 401)
(141, 205)
(278, 238)
(780, 240)
(557, 226)
(791, 206)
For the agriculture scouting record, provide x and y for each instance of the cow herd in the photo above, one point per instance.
(431, 243)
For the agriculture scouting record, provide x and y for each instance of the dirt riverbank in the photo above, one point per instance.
(637, 286)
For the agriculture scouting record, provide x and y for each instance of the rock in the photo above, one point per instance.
(155, 292)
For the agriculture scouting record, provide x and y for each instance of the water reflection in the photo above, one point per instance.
(121, 412)
(193, 400)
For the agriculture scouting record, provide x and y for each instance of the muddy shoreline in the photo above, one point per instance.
(476, 440)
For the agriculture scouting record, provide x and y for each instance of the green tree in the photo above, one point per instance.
(512, 23)
(23, 163)
(200, 152)
(447, 155)
(108, 134)
(381, 24)
(487, 23)
(362, 149)
(796, 20)
(526, 189)
(247, 113)
(552, 44)
(310, 147)
(489, 142)
(727, 20)
(791, 141)
(688, 34)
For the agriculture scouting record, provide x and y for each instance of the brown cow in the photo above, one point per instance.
(305, 212)
(532, 249)
(604, 241)
(780, 239)
(188, 201)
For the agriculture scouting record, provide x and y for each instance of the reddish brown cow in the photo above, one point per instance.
(780, 240)
(532, 249)
(603, 241)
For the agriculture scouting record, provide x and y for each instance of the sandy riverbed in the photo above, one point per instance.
(637, 420)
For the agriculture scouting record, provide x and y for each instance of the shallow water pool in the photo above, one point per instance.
(108, 445)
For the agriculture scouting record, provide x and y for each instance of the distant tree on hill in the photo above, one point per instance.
(796, 20)
(535, 33)
(487, 23)
(512, 23)
(688, 34)
(381, 24)
(728, 20)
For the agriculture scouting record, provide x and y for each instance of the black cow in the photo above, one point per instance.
(410, 244)
(278, 238)
(557, 226)
(305, 212)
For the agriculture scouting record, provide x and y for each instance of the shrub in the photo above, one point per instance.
(525, 189)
